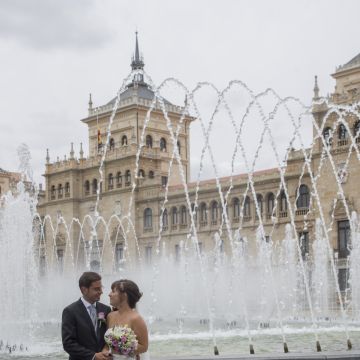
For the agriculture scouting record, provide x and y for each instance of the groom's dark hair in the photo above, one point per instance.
(87, 278)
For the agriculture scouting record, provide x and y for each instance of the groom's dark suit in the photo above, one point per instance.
(80, 339)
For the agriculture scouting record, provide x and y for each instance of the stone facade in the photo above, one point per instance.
(303, 192)
(8, 181)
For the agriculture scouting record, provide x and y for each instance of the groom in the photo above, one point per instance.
(84, 322)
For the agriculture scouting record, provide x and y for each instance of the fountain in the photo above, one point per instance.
(272, 289)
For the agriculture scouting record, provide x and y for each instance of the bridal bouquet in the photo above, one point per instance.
(121, 340)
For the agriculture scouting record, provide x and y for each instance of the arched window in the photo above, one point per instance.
(151, 174)
(60, 191)
(179, 146)
(357, 130)
(236, 208)
(203, 214)
(165, 220)
(53, 192)
(87, 187)
(111, 181)
(124, 140)
(67, 189)
(260, 203)
(303, 197)
(247, 208)
(174, 216)
(118, 179)
(183, 215)
(327, 135)
(162, 144)
(94, 186)
(112, 144)
(141, 174)
(149, 141)
(214, 212)
(127, 178)
(342, 134)
(270, 203)
(147, 218)
(283, 201)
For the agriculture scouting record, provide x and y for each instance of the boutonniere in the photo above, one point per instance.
(101, 318)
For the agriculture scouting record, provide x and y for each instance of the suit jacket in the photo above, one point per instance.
(80, 339)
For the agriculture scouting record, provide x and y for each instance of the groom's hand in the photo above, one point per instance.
(104, 355)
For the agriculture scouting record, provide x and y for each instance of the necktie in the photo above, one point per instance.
(92, 312)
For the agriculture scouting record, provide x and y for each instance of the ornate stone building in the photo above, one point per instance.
(306, 190)
(8, 181)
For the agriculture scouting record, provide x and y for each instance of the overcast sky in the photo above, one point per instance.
(53, 53)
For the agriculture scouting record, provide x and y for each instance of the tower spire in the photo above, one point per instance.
(316, 89)
(90, 102)
(137, 62)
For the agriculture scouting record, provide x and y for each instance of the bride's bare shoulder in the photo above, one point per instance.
(111, 315)
(137, 318)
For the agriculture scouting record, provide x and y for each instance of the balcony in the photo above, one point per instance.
(183, 226)
(174, 227)
(247, 218)
(148, 229)
(236, 219)
(67, 194)
(213, 222)
(301, 211)
(343, 142)
(283, 214)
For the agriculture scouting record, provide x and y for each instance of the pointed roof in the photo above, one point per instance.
(354, 62)
(142, 89)
(137, 62)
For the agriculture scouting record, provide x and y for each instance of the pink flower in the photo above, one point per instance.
(101, 316)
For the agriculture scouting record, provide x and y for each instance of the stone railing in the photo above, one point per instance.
(134, 100)
(302, 211)
(342, 142)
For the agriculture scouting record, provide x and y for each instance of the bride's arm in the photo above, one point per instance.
(108, 324)
(141, 333)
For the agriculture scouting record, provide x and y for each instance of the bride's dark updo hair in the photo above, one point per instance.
(130, 288)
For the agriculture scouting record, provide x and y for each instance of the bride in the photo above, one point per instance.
(123, 297)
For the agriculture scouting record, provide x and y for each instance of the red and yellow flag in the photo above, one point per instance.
(99, 137)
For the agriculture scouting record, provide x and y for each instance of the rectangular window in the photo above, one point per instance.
(200, 247)
(164, 181)
(343, 238)
(304, 243)
(148, 254)
(119, 255)
(343, 277)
